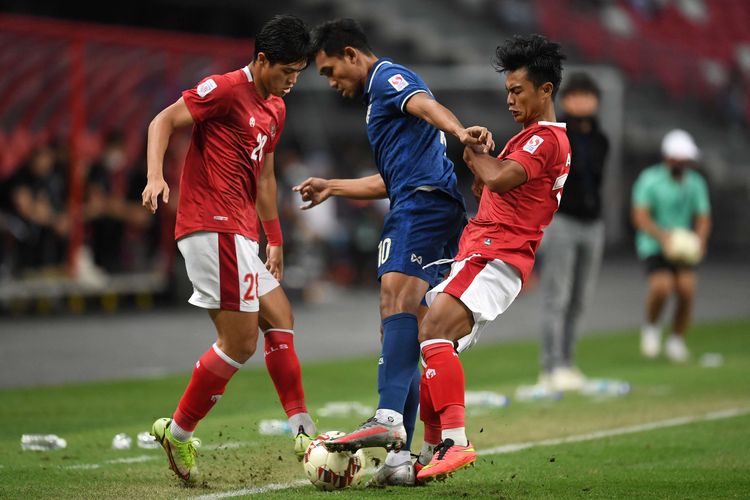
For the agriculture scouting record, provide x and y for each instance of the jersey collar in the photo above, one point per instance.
(249, 75)
(553, 124)
(371, 75)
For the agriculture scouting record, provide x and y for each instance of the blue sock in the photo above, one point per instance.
(411, 408)
(398, 360)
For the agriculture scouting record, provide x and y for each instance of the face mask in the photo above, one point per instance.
(678, 168)
(580, 123)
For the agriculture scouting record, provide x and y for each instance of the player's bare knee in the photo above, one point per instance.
(245, 350)
(431, 330)
(662, 288)
(394, 302)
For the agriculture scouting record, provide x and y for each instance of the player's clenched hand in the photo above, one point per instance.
(314, 190)
(150, 195)
(275, 261)
(477, 136)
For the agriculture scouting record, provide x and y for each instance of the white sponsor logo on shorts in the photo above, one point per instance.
(398, 82)
(252, 121)
(215, 397)
(206, 87)
(532, 144)
(221, 217)
(430, 373)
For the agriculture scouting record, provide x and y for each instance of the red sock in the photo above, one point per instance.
(428, 415)
(210, 377)
(283, 366)
(444, 377)
(452, 417)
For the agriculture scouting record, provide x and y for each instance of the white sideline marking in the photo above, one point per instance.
(127, 460)
(660, 424)
(510, 448)
(253, 491)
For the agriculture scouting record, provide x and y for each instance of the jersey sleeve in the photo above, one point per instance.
(395, 86)
(537, 154)
(701, 203)
(641, 196)
(209, 99)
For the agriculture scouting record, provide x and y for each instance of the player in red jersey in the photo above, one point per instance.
(522, 190)
(228, 183)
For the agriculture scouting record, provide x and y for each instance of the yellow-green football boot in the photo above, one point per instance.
(181, 454)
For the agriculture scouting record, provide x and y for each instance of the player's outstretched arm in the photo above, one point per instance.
(315, 190)
(500, 176)
(267, 207)
(159, 131)
(428, 109)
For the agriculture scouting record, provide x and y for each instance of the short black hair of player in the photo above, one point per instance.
(334, 36)
(541, 58)
(580, 83)
(284, 39)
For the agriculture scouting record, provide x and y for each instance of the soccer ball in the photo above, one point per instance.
(329, 470)
(684, 247)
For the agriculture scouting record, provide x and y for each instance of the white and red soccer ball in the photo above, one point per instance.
(329, 470)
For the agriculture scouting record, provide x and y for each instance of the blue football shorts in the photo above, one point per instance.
(421, 229)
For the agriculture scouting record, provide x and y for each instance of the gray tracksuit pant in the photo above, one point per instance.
(572, 252)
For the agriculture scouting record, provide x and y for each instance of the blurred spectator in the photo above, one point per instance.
(334, 244)
(105, 205)
(35, 212)
(143, 235)
(573, 243)
(668, 196)
(736, 103)
(112, 207)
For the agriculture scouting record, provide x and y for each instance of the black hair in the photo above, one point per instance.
(541, 58)
(580, 83)
(333, 36)
(284, 39)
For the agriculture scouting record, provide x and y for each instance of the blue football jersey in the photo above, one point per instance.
(409, 152)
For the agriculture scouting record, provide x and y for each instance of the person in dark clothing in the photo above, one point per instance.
(573, 244)
(36, 205)
(105, 205)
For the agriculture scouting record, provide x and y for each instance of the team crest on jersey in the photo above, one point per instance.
(398, 82)
(272, 129)
(206, 87)
(252, 121)
(532, 144)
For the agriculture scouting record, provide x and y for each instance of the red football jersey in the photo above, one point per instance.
(234, 129)
(509, 226)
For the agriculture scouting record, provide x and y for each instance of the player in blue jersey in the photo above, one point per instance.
(405, 126)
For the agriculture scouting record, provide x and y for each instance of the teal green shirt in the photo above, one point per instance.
(672, 204)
